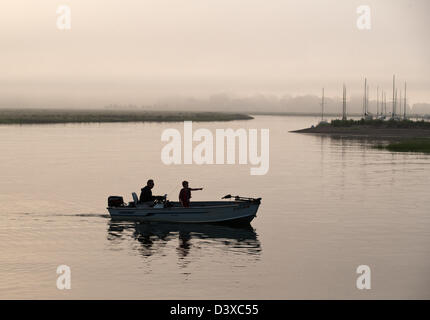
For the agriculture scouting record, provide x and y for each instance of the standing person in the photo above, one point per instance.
(185, 194)
(146, 193)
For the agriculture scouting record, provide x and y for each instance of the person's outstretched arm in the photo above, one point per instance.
(196, 189)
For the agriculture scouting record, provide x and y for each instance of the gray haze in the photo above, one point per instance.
(285, 104)
(149, 51)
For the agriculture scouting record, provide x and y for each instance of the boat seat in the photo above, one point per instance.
(135, 198)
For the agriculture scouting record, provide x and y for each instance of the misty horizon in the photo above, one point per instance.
(144, 53)
(260, 103)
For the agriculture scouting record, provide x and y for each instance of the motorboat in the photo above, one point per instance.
(233, 210)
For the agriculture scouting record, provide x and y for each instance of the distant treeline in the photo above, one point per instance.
(266, 103)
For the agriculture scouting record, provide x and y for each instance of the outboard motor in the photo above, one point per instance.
(115, 201)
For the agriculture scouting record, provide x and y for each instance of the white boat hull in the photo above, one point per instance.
(198, 212)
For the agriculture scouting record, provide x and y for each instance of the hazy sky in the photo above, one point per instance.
(138, 51)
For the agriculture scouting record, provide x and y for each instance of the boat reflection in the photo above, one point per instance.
(153, 237)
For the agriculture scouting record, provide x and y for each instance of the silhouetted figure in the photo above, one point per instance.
(146, 193)
(185, 194)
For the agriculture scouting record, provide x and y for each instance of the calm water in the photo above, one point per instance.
(329, 205)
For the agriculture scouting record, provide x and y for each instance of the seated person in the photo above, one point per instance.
(146, 193)
(185, 194)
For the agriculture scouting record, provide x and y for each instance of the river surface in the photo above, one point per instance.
(329, 206)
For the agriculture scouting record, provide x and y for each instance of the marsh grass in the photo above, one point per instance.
(411, 145)
(52, 116)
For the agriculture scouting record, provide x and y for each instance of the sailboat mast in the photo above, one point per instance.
(385, 103)
(382, 102)
(367, 99)
(377, 101)
(400, 103)
(404, 104)
(394, 102)
(364, 97)
(322, 106)
(344, 103)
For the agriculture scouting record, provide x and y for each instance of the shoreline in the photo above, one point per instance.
(366, 132)
(63, 116)
(394, 136)
(371, 129)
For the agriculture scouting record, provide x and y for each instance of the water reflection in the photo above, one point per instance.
(153, 237)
